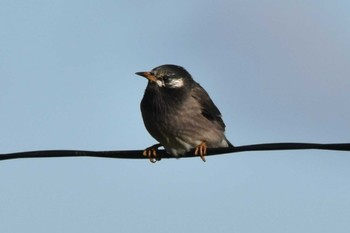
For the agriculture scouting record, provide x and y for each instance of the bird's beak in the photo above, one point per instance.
(147, 75)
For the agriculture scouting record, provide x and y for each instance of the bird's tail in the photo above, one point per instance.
(229, 143)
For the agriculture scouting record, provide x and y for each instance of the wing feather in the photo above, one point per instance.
(209, 109)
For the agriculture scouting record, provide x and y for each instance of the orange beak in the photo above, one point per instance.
(147, 75)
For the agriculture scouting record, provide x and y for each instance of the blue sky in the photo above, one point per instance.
(278, 71)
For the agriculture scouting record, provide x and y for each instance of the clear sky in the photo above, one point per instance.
(278, 71)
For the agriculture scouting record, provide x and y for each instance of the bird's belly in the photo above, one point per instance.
(177, 145)
(184, 140)
(180, 131)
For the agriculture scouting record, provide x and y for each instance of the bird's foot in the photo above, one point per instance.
(151, 153)
(201, 150)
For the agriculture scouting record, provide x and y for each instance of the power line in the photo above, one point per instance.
(162, 154)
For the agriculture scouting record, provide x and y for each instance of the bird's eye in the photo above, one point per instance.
(166, 78)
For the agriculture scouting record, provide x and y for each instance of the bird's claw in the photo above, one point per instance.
(201, 150)
(151, 153)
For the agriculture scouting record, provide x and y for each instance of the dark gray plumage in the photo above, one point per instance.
(179, 113)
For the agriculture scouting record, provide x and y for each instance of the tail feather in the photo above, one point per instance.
(229, 143)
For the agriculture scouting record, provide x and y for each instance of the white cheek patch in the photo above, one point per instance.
(176, 83)
(160, 83)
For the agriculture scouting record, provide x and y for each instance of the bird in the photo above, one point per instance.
(179, 113)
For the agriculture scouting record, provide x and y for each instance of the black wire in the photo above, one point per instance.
(137, 154)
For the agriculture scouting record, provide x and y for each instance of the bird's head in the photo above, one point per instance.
(168, 76)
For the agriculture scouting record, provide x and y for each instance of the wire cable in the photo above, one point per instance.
(162, 154)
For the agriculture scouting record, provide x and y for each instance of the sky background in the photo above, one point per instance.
(278, 71)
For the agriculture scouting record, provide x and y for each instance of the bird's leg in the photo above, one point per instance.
(201, 150)
(151, 153)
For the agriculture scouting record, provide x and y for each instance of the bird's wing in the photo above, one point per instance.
(209, 109)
